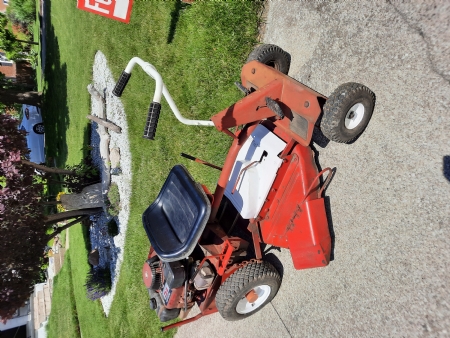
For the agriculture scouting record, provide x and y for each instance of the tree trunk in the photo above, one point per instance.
(51, 203)
(29, 42)
(68, 225)
(56, 182)
(104, 123)
(23, 97)
(49, 169)
(62, 216)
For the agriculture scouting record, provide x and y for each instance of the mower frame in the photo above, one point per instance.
(293, 214)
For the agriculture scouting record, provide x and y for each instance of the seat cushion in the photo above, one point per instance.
(175, 221)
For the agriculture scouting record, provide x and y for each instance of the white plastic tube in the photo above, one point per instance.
(162, 89)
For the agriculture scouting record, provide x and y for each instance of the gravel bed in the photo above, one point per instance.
(110, 248)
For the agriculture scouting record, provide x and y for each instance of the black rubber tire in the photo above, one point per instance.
(240, 283)
(338, 105)
(273, 56)
(38, 128)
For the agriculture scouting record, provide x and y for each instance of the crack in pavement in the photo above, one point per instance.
(419, 31)
(289, 333)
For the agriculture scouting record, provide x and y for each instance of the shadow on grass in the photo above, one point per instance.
(175, 16)
(87, 137)
(73, 301)
(87, 240)
(56, 111)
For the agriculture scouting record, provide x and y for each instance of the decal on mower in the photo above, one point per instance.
(166, 293)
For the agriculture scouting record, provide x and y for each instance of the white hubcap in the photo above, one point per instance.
(244, 306)
(354, 116)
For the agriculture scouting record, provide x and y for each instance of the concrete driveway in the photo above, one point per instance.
(389, 200)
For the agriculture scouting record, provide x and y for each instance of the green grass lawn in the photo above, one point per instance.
(199, 51)
(63, 321)
(85, 315)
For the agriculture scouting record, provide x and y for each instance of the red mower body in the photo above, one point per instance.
(292, 215)
(206, 248)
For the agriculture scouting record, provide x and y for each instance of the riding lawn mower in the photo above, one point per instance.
(206, 247)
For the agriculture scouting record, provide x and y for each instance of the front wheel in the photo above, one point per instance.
(347, 112)
(247, 290)
(272, 56)
(38, 128)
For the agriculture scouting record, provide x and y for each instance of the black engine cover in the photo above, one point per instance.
(164, 314)
(174, 274)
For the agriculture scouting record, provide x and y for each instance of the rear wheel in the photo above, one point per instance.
(347, 112)
(247, 290)
(38, 128)
(272, 56)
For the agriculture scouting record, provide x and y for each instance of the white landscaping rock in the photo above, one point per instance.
(103, 79)
(114, 157)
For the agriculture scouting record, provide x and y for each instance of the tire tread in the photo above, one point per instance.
(332, 110)
(264, 50)
(230, 289)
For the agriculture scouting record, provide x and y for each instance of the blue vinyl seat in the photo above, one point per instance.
(175, 221)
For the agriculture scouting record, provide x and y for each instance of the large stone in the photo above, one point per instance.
(90, 197)
(114, 157)
(94, 257)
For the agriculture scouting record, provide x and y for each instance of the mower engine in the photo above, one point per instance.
(171, 289)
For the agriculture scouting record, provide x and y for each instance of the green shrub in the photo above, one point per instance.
(98, 283)
(22, 12)
(86, 174)
(113, 200)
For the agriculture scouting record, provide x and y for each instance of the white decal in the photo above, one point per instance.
(96, 6)
(121, 9)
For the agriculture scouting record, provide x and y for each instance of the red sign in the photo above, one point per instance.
(114, 9)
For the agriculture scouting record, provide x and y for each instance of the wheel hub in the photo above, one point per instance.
(354, 116)
(253, 299)
(252, 296)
